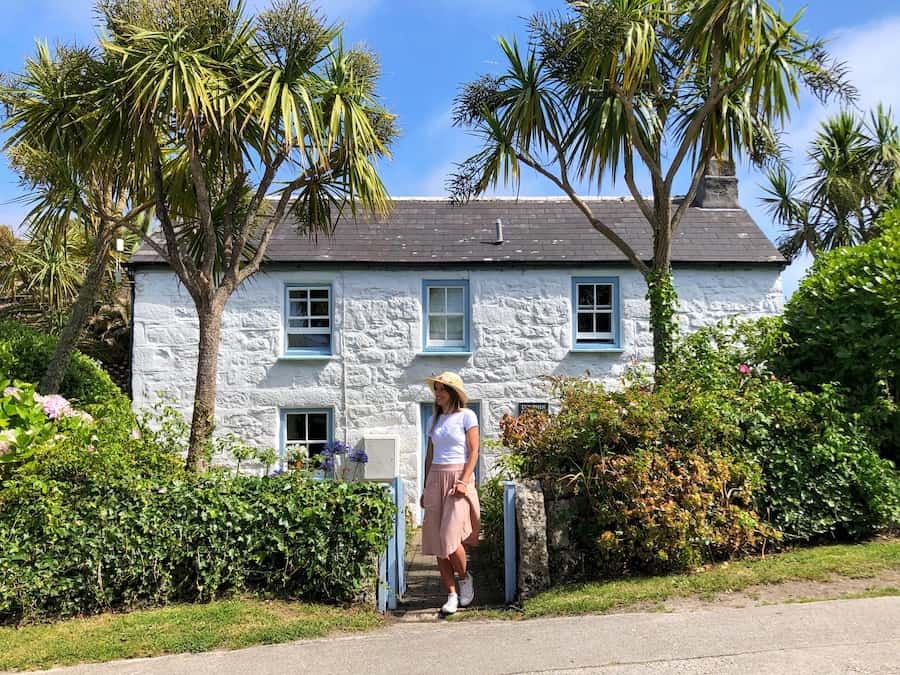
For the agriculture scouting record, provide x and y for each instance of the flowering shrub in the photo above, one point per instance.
(822, 476)
(25, 353)
(28, 419)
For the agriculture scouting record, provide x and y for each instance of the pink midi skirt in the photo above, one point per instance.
(450, 520)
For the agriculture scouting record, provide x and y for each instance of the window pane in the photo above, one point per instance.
(604, 295)
(319, 323)
(315, 448)
(319, 293)
(309, 341)
(585, 322)
(454, 328)
(298, 308)
(604, 323)
(319, 309)
(437, 328)
(298, 323)
(586, 295)
(455, 300)
(318, 426)
(436, 301)
(296, 427)
(298, 294)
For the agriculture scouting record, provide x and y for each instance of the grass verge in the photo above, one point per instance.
(229, 624)
(820, 563)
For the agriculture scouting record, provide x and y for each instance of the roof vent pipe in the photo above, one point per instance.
(499, 239)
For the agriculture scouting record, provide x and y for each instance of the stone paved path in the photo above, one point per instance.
(425, 592)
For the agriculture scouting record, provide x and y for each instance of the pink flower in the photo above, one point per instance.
(744, 368)
(15, 392)
(4, 448)
(55, 406)
(85, 417)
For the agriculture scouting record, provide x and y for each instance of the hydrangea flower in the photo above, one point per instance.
(744, 369)
(15, 392)
(55, 406)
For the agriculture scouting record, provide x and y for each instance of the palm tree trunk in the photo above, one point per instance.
(81, 312)
(210, 316)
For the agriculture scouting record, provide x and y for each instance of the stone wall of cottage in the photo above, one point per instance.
(374, 381)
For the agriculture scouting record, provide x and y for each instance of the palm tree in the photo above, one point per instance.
(77, 195)
(854, 177)
(671, 84)
(201, 109)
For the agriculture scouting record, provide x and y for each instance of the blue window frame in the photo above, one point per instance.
(447, 315)
(596, 314)
(310, 427)
(308, 313)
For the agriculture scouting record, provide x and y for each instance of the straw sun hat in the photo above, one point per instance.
(451, 380)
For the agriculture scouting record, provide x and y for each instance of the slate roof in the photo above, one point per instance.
(535, 230)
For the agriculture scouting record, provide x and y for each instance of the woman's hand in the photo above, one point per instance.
(460, 489)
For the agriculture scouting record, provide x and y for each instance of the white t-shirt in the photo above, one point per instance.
(449, 437)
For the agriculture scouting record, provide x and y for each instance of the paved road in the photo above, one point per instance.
(846, 636)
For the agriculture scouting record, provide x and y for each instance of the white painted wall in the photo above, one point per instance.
(374, 382)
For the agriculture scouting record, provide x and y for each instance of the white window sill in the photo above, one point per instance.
(440, 352)
(306, 357)
(598, 350)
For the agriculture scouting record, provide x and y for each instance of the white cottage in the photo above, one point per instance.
(333, 340)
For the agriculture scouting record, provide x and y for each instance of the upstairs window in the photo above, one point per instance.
(595, 301)
(308, 319)
(447, 316)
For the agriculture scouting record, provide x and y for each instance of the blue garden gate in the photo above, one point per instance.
(392, 562)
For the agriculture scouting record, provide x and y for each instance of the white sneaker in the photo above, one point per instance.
(451, 605)
(466, 590)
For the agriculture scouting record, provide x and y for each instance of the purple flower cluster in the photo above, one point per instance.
(331, 450)
(359, 457)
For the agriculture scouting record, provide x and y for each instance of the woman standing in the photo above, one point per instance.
(452, 512)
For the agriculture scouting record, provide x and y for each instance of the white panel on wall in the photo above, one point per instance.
(384, 458)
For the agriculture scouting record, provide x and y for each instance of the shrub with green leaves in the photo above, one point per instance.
(25, 353)
(844, 327)
(822, 475)
(70, 548)
(653, 484)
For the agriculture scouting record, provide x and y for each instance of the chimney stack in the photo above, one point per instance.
(718, 187)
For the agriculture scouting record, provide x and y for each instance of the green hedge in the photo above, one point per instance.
(25, 353)
(844, 327)
(81, 547)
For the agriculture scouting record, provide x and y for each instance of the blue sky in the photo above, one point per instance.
(428, 49)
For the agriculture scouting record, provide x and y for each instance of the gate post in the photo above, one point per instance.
(392, 562)
(509, 541)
